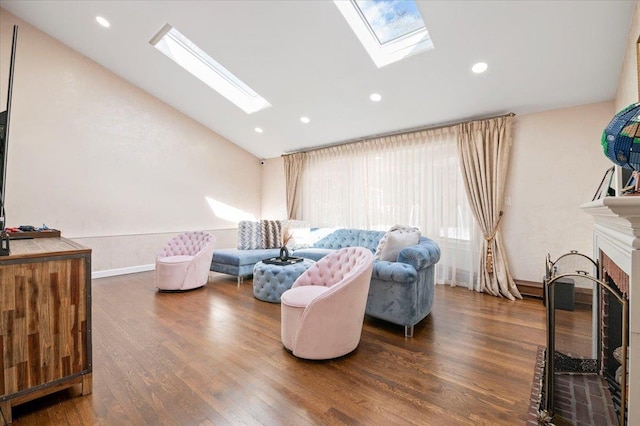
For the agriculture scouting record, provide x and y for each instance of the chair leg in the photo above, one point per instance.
(240, 280)
(408, 331)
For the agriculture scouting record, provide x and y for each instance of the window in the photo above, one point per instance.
(411, 179)
(196, 61)
(390, 30)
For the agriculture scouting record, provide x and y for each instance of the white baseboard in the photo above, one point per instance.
(122, 271)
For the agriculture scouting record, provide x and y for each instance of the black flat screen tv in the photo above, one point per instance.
(5, 117)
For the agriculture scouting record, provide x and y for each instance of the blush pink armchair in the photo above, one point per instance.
(183, 264)
(323, 312)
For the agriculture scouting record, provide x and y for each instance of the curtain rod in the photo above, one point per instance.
(397, 133)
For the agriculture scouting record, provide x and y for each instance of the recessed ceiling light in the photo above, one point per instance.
(305, 119)
(258, 130)
(103, 21)
(375, 97)
(480, 67)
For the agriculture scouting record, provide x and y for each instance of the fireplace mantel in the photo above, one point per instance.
(617, 234)
(621, 214)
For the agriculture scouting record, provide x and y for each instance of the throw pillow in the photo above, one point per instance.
(397, 238)
(249, 235)
(270, 230)
(300, 233)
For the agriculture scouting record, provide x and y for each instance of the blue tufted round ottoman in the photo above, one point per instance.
(270, 281)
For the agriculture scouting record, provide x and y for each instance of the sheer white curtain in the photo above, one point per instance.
(410, 179)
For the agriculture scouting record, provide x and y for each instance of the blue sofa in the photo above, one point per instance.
(239, 263)
(401, 292)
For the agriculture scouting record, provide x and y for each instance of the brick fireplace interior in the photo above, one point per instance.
(614, 326)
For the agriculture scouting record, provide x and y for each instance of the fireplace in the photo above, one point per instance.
(584, 381)
(617, 246)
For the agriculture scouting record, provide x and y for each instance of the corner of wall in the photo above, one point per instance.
(274, 204)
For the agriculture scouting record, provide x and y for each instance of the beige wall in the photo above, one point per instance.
(556, 165)
(628, 83)
(274, 202)
(106, 163)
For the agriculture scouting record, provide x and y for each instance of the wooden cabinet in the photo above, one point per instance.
(45, 320)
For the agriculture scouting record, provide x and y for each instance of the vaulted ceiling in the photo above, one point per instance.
(306, 61)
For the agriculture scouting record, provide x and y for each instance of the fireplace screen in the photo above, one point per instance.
(587, 322)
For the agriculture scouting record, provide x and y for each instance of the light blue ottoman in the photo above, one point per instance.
(270, 281)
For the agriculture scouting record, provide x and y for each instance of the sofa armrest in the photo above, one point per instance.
(421, 255)
(394, 271)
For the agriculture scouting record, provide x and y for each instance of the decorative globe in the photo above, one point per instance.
(621, 138)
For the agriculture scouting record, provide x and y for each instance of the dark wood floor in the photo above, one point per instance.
(213, 356)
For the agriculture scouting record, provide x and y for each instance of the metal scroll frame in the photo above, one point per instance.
(549, 356)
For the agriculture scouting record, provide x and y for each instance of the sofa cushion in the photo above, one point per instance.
(242, 257)
(175, 259)
(249, 235)
(312, 253)
(300, 232)
(341, 238)
(370, 239)
(397, 238)
(338, 239)
(270, 234)
(300, 297)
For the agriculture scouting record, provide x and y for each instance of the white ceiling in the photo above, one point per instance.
(305, 60)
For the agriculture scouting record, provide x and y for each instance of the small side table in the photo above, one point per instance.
(270, 281)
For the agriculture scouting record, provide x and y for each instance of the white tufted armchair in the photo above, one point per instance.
(323, 312)
(183, 264)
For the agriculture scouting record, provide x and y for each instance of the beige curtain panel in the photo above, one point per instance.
(292, 170)
(483, 148)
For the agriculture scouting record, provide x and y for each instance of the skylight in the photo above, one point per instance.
(196, 61)
(390, 30)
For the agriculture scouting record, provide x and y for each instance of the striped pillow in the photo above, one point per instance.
(270, 230)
